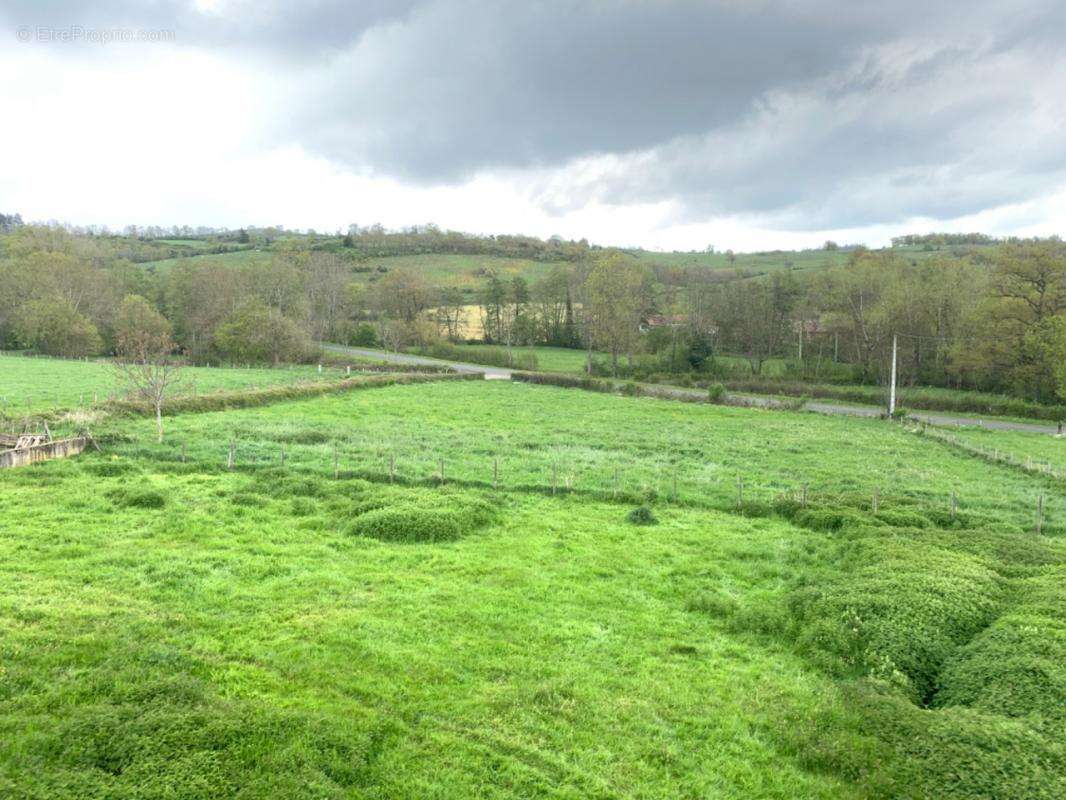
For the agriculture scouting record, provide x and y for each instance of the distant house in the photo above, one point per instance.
(653, 321)
(810, 327)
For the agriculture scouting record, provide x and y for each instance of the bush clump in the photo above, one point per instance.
(897, 608)
(138, 497)
(1017, 666)
(110, 468)
(716, 393)
(642, 515)
(892, 749)
(418, 519)
(831, 519)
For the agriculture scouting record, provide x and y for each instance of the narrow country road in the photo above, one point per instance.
(405, 358)
(817, 406)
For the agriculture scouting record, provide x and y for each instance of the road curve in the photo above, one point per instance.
(406, 358)
(933, 418)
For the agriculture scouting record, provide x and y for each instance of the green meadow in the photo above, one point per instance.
(36, 385)
(466, 272)
(1039, 447)
(238, 258)
(487, 589)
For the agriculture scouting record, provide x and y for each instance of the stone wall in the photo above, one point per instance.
(42, 452)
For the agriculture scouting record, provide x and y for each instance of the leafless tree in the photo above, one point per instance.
(145, 355)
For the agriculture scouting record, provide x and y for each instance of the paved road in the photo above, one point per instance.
(406, 358)
(818, 406)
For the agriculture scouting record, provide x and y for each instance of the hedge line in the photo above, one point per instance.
(632, 389)
(927, 400)
(335, 359)
(223, 401)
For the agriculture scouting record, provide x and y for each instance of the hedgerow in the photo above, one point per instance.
(223, 401)
(927, 399)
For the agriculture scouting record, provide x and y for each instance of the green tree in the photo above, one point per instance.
(53, 326)
(258, 333)
(616, 293)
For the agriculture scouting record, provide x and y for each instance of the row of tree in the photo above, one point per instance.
(993, 318)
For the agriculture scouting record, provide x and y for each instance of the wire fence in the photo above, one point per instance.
(714, 487)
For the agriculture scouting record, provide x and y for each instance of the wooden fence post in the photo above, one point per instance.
(954, 504)
(740, 491)
(1039, 514)
(442, 471)
(674, 486)
(229, 462)
(282, 456)
(183, 452)
(554, 479)
(876, 497)
(392, 467)
(336, 464)
(496, 473)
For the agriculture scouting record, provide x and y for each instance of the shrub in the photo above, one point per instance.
(902, 518)
(897, 608)
(715, 393)
(137, 498)
(826, 519)
(1017, 666)
(892, 749)
(642, 515)
(408, 525)
(423, 519)
(364, 335)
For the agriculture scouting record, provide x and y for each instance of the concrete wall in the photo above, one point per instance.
(42, 452)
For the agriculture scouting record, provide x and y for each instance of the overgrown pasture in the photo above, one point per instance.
(537, 438)
(485, 589)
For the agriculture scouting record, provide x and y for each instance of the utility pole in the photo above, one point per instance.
(892, 388)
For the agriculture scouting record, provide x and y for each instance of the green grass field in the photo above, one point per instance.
(533, 430)
(465, 272)
(170, 628)
(34, 385)
(240, 258)
(1040, 447)
(757, 263)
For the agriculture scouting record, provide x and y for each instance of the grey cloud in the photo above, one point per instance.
(895, 96)
(803, 113)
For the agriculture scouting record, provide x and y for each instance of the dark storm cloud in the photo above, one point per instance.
(805, 113)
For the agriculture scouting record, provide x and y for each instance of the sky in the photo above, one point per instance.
(742, 124)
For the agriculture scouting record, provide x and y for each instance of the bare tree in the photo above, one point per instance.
(144, 353)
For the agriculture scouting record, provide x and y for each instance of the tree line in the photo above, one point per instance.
(992, 318)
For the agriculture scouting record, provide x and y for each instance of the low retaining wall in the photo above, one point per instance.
(42, 452)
